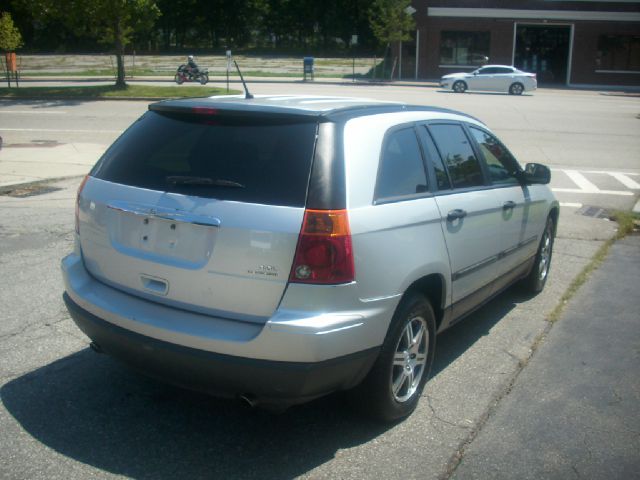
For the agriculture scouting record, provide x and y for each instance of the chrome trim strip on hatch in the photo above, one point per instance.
(165, 214)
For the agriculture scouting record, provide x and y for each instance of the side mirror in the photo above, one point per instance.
(535, 173)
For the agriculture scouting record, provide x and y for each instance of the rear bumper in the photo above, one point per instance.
(311, 325)
(267, 382)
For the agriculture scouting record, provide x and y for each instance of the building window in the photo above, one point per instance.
(464, 48)
(618, 53)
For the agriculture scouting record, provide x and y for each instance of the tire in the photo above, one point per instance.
(179, 79)
(459, 86)
(204, 78)
(516, 89)
(393, 387)
(537, 278)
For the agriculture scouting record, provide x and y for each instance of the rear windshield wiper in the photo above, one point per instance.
(189, 180)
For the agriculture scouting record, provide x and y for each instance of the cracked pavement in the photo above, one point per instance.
(573, 411)
(69, 413)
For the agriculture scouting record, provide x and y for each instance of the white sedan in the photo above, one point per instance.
(497, 78)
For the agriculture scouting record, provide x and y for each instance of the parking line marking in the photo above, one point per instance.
(626, 181)
(598, 191)
(607, 172)
(585, 185)
(570, 205)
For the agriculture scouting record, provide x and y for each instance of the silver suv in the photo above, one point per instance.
(277, 249)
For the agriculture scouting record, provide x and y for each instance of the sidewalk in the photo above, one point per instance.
(23, 164)
(234, 79)
(574, 411)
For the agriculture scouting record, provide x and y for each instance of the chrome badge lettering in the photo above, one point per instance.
(266, 270)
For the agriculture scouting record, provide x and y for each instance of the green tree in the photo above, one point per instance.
(10, 37)
(390, 21)
(112, 22)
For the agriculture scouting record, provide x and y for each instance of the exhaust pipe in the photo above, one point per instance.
(95, 347)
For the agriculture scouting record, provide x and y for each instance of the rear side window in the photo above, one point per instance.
(401, 172)
(243, 159)
(455, 150)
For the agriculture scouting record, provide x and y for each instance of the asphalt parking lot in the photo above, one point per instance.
(69, 413)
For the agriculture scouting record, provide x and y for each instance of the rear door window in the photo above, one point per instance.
(255, 160)
(401, 172)
(457, 154)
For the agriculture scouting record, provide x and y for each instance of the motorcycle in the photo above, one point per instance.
(184, 74)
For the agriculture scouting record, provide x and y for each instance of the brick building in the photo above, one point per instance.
(566, 42)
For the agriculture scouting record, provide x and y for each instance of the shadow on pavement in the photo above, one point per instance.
(90, 408)
(477, 92)
(456, 340)
(40, 103)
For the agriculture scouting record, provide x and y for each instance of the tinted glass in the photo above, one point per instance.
(503, 70)
(401, 169)
(464, 48)
(462, 164)
(244, 159)
(618, 52)
(500, 163)
(442, 179)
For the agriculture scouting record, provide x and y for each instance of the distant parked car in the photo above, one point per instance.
(277, 249)
(496, 78)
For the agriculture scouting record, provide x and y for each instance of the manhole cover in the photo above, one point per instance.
(29, 191)
(595, 212)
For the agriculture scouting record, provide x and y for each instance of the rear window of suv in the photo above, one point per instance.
(263, 160)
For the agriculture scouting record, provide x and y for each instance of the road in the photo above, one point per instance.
(588, 138)
(69, 413)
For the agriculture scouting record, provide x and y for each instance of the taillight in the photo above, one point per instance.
(78, 203)
(324, 254)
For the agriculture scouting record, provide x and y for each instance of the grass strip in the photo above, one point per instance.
(626, 224)
(171, 73)
(111, 91)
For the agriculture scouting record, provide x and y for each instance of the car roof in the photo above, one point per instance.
(320, 107)
(500, 66)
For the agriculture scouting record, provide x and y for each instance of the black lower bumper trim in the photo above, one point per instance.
(268, 382)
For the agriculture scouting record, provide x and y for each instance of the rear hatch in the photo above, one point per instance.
(200, 209)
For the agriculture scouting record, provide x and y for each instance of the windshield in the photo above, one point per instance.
(244, 159)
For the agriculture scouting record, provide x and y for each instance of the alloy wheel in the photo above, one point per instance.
(545, 256)
(409, 359)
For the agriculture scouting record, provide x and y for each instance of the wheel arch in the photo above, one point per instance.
(432, 286)
(554, 214)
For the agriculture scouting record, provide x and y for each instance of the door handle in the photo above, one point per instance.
(456, 214)
(508, 205)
